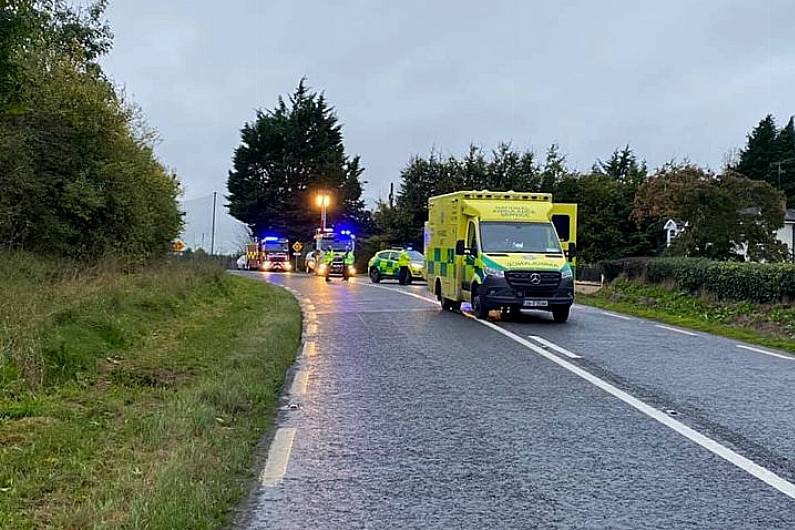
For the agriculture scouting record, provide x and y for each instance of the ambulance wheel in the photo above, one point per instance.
(560, 314)
(375, 275)
(478, 307)
(451, 305)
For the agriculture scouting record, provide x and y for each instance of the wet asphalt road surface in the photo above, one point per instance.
(410, 417)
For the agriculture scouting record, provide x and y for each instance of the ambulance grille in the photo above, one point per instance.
(546, 284)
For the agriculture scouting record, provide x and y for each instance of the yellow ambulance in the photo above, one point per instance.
(501, 250)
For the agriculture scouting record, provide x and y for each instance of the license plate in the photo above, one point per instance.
(536, 303)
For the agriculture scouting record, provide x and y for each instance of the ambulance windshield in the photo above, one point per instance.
(531, 238)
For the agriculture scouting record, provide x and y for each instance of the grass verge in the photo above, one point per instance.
(766, 325)
(134, 400)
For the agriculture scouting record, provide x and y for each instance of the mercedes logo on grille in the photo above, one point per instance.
(535, 278)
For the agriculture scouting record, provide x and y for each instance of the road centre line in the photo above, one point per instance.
(759, 350)
(622, 317)
(278, 457)
(553, 346)
(747, 465)
(676, 330)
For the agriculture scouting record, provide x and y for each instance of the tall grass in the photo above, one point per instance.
(134, 398)
(60, 317)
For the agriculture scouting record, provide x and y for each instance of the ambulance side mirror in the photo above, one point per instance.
(572, 253)
(459, 248)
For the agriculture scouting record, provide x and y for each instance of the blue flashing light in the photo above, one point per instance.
(409, 249)
(270, 238)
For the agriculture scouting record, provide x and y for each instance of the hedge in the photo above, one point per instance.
(753, 282)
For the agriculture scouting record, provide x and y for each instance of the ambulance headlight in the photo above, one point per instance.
(288, 266)
(497, 273)
(351, 270)
(566, 273)
(322, 267)
(266, 265)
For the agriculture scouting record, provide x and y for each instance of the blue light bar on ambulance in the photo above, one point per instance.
(270, 238)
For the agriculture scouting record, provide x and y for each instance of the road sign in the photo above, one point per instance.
(297, 246)
(178, 246)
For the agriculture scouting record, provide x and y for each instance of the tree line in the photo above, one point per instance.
(622, 205)
(295, 150)
(78, 173)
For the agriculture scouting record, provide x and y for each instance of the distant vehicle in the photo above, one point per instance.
(501, 250)
(275, 255)
(242, 263)
(404, 265)
(269, 254)
(337, 243)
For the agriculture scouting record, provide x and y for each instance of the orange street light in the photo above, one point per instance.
(323, 200)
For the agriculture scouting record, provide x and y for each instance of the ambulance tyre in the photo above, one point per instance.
(375, 275)
(560, 314)
(451, 305)
(481, 310)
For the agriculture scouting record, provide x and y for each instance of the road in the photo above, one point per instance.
(400, 415)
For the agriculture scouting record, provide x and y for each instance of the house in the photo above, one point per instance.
(785, 234)
(672, 229)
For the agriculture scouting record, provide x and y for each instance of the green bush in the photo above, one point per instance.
(630, 268)
(753, 282)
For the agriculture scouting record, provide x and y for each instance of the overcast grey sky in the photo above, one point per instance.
(673, 79)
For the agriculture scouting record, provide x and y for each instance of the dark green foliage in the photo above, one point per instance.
(504, 169)
(722, 212)
(286, 157)
(769, 155)
(605, 196)
(752, 282)
(78, 172)
(631, 268)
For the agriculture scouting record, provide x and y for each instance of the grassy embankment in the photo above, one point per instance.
(134, 400)
(771, 325)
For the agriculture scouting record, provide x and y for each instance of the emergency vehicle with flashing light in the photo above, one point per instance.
(338, 244)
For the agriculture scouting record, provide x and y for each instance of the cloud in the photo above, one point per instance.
(676, 78)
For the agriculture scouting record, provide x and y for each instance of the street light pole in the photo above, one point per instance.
(212, 238)
(323, 200)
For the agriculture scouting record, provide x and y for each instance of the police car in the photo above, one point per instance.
(404, 265)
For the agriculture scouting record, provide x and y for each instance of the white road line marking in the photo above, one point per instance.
(622, 317)
(425, 298)
(676, 330)
(747, 465)
(278, 457)
(553, 346)
(758, 350)
(300, 382)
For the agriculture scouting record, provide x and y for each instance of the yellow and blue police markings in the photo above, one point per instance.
(388, 264)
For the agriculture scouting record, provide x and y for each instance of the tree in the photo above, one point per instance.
(784, 165)
(286, 156)
(721, 212)
(623, 166)
(769, 155)
(77, 168)
(554, 170)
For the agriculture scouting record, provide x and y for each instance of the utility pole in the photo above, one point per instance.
(212, 237)
(391, 194)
